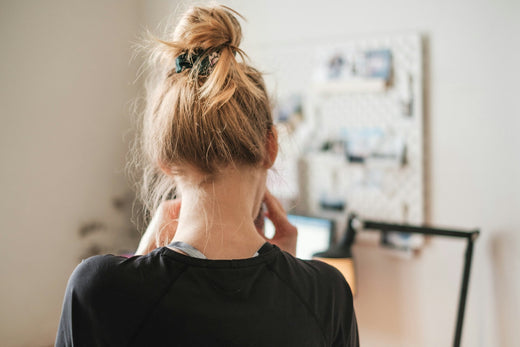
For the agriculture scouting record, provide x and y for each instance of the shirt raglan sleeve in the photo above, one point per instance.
(337, 306)
(77, 322)
(107, 298)
(95, 308)
(347, 331)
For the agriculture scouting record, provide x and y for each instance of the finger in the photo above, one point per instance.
(171, 208)
(161, 227)
(260, 221)
(156, 221)
(273, 200)
(275, 211)
(169, 222)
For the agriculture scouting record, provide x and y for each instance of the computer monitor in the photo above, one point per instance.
(315, 234)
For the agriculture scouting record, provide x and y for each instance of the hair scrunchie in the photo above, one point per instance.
(186, 61)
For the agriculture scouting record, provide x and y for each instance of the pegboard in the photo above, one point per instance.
(374, 189)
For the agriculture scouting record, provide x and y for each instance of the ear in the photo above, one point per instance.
(271, 147)
(166, 169)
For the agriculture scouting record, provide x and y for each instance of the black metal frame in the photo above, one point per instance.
(469, 235)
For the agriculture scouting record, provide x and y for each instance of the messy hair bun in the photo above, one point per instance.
(199, 118)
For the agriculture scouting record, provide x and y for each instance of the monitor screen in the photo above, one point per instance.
(314, 234)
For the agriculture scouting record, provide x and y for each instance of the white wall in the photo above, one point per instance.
(65, 91)
(473, 124)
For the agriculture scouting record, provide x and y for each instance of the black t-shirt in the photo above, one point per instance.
(166, 298)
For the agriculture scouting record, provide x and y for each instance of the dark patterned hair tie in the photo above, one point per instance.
(186, 61)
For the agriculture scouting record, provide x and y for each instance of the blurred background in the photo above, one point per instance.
(68, 83)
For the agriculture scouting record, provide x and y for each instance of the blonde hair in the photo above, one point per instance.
(195, 120)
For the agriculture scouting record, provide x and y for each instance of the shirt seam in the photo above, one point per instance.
(155, 304)
(262, 258)
(304, 302)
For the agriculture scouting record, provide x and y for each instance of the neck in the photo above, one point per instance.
(217, 217)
